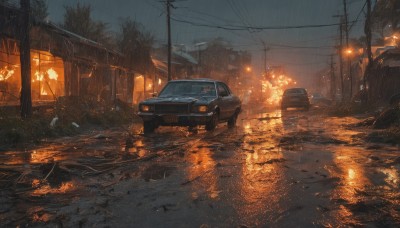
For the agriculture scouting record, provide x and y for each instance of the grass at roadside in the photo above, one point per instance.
(69, 116)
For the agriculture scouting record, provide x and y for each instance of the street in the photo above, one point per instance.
(289, 169)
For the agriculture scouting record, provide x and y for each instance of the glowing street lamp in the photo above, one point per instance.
(349, 51)
(395, 39)
(248, 69)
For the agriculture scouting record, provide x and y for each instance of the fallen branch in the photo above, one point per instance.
(52, 169)
(196, 178)
(77, 164)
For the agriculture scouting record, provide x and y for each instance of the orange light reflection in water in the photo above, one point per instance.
(33, 157)
(140, 148)
(392, 176)
(39, 215)
(352, 180)
(260, 179)
(202, 164)
(43, 156)
(45, 189)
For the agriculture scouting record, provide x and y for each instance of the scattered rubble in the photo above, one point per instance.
(387, 118)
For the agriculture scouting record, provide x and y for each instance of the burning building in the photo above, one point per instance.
(62, 64)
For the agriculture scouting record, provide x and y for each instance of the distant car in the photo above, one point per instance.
(295, 98)
(190, 102)
(319, 99)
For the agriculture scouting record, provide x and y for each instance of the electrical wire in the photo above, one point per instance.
(358, 16)
(244, 28)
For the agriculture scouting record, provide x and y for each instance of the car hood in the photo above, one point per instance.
(186, 100)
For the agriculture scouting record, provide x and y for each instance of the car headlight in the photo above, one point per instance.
(146, 108)
(202, 108)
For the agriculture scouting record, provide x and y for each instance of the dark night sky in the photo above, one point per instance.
(299, 62)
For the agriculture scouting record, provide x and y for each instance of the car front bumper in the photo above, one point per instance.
(295, 104)
(187, 119)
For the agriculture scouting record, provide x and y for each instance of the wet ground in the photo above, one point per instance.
(274, 169)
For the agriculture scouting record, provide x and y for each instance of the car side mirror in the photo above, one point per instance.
(223, 94)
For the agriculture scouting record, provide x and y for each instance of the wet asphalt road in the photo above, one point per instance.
(291, 169)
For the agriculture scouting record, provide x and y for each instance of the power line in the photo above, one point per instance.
(206, 14)
(244, 28)
(358, 16)
(300, 47)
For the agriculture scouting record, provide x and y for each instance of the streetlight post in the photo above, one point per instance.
(341, 55)
(349, 52)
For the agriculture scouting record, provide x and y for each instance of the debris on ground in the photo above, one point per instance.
(296, 138)
(366, 122)
(390, 136)
(69, 116)
(387, 118)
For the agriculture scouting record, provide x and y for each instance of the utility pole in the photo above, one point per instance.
(25, 58)
(346, 23)
(347, 46)
(265, 56)
(265, 59)
(368, 35)
(169, 37)
(333, 79)
(341, 58)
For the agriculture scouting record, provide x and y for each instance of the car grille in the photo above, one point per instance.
(172, 108)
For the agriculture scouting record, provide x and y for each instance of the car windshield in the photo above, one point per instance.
(294, 92)
(189, 88)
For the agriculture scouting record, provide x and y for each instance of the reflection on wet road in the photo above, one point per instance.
(294, 168)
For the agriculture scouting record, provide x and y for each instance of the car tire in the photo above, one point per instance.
(212, 124)
(148, 127)
(232, 120)
(192, 129)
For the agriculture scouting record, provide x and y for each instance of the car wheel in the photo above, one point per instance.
(212, 124)
(192, 129)
(148, 127)
(232, 120)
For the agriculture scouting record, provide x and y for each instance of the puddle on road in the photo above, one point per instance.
(357, 186)
(201, 171)
(157, 172)
(39, 215)
(45, 189)
(38, 156)
(367, 195)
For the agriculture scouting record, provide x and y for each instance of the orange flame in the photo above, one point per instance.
(275, 87)
(6, 73)
(52, 74)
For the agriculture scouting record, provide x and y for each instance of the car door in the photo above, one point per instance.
(225, 101)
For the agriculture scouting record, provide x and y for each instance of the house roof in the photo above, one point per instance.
(77, 37)
(389, 58)
(160, 65)
(186, 57)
